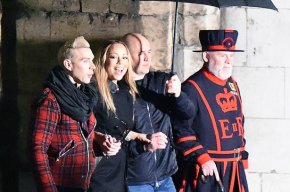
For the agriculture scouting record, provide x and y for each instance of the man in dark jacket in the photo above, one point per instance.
(64, 123)
(151, 166)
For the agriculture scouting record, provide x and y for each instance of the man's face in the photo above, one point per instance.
(220, 63)
(117, 62)
(81, 65)
(141, 56)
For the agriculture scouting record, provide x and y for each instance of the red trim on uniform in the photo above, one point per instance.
(214, 78)
(238, 150)
(245, 163)
(225, 167)
(232, 182)
(213, 121)
(197, 168)
(240, 100)
(243, 188)
(181, 189)
(220, 48)
(188, 138)
(238, 178)
(229, 30)
(203, 158)
(227, 159)
(192, 150)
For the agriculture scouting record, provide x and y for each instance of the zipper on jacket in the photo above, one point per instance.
(87, 148)
(154, 152)
(61, 154)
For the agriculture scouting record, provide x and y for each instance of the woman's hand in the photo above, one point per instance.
(139, 136)
(109, 145)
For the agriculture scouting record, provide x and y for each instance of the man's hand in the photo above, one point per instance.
(158, 141)
(173, 86)
(209, 168)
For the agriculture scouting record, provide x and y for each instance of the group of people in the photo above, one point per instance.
(109, 124)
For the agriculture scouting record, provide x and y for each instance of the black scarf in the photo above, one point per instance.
(76, 102)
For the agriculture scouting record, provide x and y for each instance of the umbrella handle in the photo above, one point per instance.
(174, 35)
(170, 75)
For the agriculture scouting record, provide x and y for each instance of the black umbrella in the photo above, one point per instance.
(267, 4)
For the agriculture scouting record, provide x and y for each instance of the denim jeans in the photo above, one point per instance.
(165, 185)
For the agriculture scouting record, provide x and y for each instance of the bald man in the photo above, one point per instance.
(151, 166)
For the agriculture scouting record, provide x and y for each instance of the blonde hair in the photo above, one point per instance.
(102, 76)
(65, 52)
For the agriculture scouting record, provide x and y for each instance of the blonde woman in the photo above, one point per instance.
(114, 114)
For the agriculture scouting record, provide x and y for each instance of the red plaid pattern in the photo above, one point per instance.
(63, 156)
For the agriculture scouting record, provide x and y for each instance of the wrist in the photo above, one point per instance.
(129, 136)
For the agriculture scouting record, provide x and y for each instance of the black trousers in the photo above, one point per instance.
(67, 189)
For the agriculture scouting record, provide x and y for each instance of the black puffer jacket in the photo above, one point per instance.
(152, 112)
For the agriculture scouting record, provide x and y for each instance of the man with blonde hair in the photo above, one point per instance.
(64, 123)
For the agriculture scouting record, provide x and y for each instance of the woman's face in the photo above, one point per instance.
(117, 62)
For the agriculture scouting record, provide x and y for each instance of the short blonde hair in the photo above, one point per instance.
(65, 50)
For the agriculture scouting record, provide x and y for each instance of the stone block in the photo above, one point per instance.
(124, 7)
(66, 25)
(44, 5)
(287, 95)
(229, 20)
(190, 26)
(102, 27)
(66, 5)
(190, 61)
(263, 97)
(36, 27)
(160, 39)
(281, 4)
(267, 36)
(129, 24)
(276, 182)
(194, 9)
(156, 8)
(267, 141)
(254, 181)
(95, 6)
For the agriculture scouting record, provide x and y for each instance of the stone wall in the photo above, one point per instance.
(262, 71)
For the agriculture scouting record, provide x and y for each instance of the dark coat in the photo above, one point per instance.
(110, 172)
(152, 111)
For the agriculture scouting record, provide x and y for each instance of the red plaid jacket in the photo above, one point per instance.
(62, 154)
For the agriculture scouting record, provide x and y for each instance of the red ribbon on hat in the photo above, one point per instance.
(220, 48)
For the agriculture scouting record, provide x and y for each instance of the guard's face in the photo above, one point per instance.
(220, 63)
(81, 65)
(117, 62)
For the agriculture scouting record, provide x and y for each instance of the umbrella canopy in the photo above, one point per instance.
(230, 3)
(267, 4)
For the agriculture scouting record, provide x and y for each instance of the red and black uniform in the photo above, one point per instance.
(215, 132)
